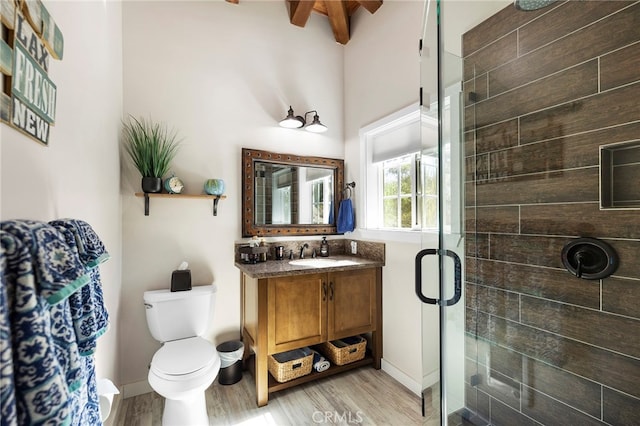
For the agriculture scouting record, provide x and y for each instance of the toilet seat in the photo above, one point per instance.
(184, 359)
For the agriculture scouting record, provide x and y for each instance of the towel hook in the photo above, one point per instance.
(348, 188)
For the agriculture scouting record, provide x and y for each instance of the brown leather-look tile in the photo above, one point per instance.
(594, 40)
(620, 67)
(469, 144)
(531, 250)
(498, 136)
(502, 414)
(554, 284)
(493, 301)
(579, 219)
(566, 387)
(578, 185)
(549, 411)
(601, 329)
(477, 401)
(477, 245)
(498, 219)
(491, 56)
(580, 150)
(477, 168)
(621, 296)
(496, 384)
(475, 89)
(469, 194)
(609, 368)
(496, 26)
(505, 361)
(565, 86)
(611, 108)
(563, 20)
(628, 253)
(619, 409)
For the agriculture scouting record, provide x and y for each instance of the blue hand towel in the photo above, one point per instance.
(346, 220)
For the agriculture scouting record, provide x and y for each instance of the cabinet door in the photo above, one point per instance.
(352, 303)
(297, 311)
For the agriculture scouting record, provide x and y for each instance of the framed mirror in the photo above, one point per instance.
(287, 194)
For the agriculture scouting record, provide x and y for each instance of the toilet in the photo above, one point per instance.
(186, 364)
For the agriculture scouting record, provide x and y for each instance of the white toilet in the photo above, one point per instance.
(186, 364)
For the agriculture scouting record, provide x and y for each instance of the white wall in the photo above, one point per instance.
(223, 75)
(78, 174)
(383, 75)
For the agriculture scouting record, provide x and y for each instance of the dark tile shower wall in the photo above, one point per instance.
(544, 90)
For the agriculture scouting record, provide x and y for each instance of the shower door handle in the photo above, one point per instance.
(457, 277)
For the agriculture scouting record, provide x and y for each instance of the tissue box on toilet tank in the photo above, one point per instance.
(181, 280)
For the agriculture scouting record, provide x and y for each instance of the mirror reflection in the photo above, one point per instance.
(285, 194)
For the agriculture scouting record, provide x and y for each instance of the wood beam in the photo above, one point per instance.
(339, 19)
(371, 5)
(299, 11)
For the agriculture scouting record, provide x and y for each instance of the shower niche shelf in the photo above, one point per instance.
(620, 176)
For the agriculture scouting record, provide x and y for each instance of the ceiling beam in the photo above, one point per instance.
(339, 19)
(299, 11)
(371, 5)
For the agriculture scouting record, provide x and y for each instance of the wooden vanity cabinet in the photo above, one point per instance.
(288, 312)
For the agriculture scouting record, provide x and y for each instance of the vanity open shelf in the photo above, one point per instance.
(286, 308)
(146, 196)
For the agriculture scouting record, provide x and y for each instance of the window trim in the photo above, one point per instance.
(371, 182)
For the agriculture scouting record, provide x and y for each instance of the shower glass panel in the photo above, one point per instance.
(442, 256)
(542, 91)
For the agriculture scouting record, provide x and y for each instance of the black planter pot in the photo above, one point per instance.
(151, 184)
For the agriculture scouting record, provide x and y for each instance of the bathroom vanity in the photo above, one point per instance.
(288, 305)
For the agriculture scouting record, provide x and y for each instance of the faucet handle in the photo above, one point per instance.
(313, 254)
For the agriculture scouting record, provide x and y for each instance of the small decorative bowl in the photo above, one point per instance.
(214, 186)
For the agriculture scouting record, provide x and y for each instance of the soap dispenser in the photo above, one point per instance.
(324, 247)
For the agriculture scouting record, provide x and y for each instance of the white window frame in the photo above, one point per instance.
(372, 181)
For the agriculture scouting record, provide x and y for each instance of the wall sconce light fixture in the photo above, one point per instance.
(292, 121)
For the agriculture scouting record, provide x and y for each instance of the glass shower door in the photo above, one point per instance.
(440, 262)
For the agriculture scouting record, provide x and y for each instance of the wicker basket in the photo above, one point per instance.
(344, 351)
(290, 365)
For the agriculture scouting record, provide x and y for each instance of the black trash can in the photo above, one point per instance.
(230, 362)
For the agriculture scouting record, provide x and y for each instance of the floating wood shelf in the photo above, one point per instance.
(146, 196)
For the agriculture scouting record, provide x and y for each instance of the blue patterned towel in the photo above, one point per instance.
(88, 310)
(33, 382)
(57, 268)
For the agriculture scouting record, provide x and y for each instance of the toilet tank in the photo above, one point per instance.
(179, 314)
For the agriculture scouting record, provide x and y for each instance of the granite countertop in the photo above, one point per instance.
(277, 268)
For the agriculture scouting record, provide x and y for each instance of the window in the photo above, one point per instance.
(317, 201)
(400, 174)
(409, 196)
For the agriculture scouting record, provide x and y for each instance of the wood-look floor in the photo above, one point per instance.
(363, 396)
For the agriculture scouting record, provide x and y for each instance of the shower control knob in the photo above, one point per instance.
(589, 258)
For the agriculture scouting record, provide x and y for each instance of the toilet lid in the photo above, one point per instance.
(184, 356)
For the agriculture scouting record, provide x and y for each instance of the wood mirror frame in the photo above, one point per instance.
(249, 227)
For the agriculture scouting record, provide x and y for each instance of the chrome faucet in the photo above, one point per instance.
(302, 250)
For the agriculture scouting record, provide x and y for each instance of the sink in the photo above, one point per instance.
(322, 263)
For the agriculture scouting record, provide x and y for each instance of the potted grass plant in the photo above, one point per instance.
(151, 147)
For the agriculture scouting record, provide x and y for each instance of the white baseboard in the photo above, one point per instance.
(137, 388)
(431, 379)
(401, 377)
